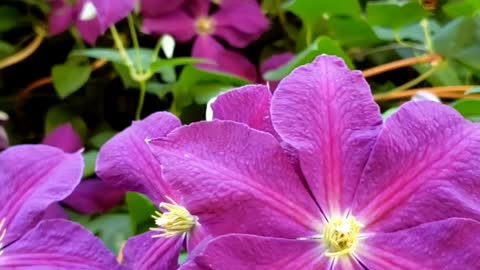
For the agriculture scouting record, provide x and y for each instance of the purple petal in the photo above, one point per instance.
(245, 252)
(274, 62)
(327, 113)
(240, 24)
(127, 163)
(446, 245)
(198, 8)
(224, 60)
(54, 211)
(177, 23)
(234, 179)
(61, 17)
(94, 197)
(119, 10)
(58, 244)
(157, 8)
(249, 105)
(143, 252)
(424, 167)
(65, 138)
(32, 178)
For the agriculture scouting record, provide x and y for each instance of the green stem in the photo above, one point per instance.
(308, 33)
(415, 81)
(136, 44)
(426, 33)
(281, 15)
(156, 51)
(121, 50)
(141, 99)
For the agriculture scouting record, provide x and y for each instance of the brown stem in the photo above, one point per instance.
(442, 92)
(22, 54)
(400, 64)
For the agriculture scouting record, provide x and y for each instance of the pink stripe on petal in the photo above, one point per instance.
(327, 113)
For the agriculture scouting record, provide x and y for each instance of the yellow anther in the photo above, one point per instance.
(217, 2)
(341, 236)
(175, 220)
(205, 26)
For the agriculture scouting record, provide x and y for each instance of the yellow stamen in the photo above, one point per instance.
(341, 236)
(3, 232)
(217, 2)
(205, 26)
(176, 220)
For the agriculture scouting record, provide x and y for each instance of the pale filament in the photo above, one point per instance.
(3, 232)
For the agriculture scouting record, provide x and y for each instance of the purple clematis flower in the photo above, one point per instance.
(403, 194)
(239, 23)
(91, 196)
(274, 62)
(91, 17)
(32, 178)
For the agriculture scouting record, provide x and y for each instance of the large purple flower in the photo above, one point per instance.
(32, 178)
(239, 23)
(403, 194)
(91, 17)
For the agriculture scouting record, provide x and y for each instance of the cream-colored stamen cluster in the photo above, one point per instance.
(3, 232)
(205, 26)
(176, 220)
(341, 236)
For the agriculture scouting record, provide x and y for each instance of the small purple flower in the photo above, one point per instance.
(91, 17)
(403, 194)
(32, 178)
(3, 133)
(274, 62)
(239, 23)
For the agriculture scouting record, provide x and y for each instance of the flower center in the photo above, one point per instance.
(341, 236)
(174, 221)
(205, 26)
(3, 232)
(217, 2)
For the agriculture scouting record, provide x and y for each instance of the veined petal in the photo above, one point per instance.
(327, 113)
(177, 23)
(143, 252)
(249, 105)
(448, 244)
(424, 167)
(32, 177)
(234, 179)
(245, 252)
(127, 163)
(58, 244)
(65, 138)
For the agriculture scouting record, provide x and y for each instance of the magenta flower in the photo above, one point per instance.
(403, 194)
(91, 17)
(274, 62)
(239, 23)
(32, 178)
(91, 196)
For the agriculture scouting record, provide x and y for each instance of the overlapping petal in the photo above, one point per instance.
(245, 252)
(274, 62)
(177, 23)
(65, 138)
(327, 113)
(144, 252)
(447, 244)
(126, 162)
(424, 167)
(58, 244)
(235, 179)
(32, 178)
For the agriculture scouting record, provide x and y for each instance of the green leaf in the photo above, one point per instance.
(465, 8)
(69, 78)
(10, 18)
(140, 209)
(395, 16)
(98, 140)
(112, 55)
(90, 158)
(323, 45)
(113, 229)
(389, 112)
(60, 115)
(352, 32)
(174, 62)
(159, 89)
(6, 48)
(312, 10)
(470, 109)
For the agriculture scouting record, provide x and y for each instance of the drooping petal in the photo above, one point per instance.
(327, 113)
(240, 24)
(94, 197)
(127, 163)
(65, 138)
(143, 252)
(177, 23)
(223, 60)
(234, 179)
(245, 252)
(424, 167)
(447, 244)
(249, 105)
(157, 8)
(58, 244)
(90, 30)
(119, 10)
(274, 62)
(32, 177)
(61, 17)
(54, 211)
